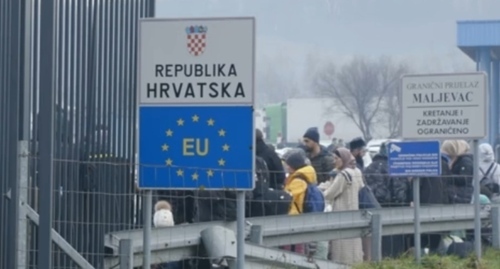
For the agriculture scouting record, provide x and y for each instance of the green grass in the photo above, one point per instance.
(490, 260)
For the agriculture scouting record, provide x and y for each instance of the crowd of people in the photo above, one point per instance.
(333, 177)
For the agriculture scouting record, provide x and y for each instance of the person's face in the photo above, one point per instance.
(308, 143)
(358, 152)
(337, 162)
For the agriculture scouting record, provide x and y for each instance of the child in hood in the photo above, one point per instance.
(163, 217)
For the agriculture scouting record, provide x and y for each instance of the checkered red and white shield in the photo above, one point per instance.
(196, 43)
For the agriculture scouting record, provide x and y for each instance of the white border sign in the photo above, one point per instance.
(444, 106)
(196, 61)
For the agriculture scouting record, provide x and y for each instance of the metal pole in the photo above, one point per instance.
(22, 231)
(46, 133)
(416, 210)
(126, 254)
(147, 206)
(477, 202)
(240, 225)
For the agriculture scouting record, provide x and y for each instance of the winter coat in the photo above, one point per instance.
(342, 194)
(296, 185)
(486, 160)
(274, 164)
(216, 205)
(323, 164)
(163, 218)
(433, 190)
(459, 187)
(389, 191)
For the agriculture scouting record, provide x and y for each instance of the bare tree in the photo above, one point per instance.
(361, 89)
(390, 116)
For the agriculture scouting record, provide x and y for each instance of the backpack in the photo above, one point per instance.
(366, 198)
(487, 179)
(314, 201)
(266, 201)
(261, 169)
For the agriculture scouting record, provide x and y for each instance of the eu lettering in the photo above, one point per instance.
(192, 147)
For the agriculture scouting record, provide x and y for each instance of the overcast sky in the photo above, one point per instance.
(421, 31)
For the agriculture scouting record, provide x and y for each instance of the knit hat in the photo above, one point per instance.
(295, 158)
(357, 143)
(313, 134)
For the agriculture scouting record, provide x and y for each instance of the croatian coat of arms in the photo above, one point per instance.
(196, 39)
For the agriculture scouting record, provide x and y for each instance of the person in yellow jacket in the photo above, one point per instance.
(299, 172)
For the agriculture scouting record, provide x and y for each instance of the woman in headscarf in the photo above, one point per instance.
(341, 193)
(459, 186)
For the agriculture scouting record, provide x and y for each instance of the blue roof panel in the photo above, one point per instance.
(478, 33)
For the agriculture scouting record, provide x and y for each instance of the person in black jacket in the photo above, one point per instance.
(389, 192)
(459, 186)
(433, 191)
(320, 158)
(273, 161)
(357, 147)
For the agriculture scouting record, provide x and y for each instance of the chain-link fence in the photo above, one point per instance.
(87, 58)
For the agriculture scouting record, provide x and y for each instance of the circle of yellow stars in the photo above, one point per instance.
(170, 133)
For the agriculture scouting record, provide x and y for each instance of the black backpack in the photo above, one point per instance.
(487, 179)
(261, 169)
(266, 201)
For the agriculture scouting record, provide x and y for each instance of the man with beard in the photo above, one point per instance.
(357, 147)
(320, 158)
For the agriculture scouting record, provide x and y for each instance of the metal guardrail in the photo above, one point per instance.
(175, 243)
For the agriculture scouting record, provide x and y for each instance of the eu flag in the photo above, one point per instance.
(196, 147)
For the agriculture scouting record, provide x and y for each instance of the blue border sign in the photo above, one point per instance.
(196, 147)
(414, 158)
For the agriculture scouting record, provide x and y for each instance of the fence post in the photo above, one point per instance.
(46, 134)
(495, 221)
(126, 255)
(376, 244)
(256, 234)
(22, 231)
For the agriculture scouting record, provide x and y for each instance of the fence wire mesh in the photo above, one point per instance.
(94, 49)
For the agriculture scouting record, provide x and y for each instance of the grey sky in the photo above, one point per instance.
(349, 26)
(422, 32)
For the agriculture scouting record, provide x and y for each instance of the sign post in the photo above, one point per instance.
(447, 106)
(196, 109)
(415, 160)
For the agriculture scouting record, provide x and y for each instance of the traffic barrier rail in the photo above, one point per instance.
(263, 233)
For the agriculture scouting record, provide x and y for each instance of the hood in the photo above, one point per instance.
(307, 172)
(486, 154)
